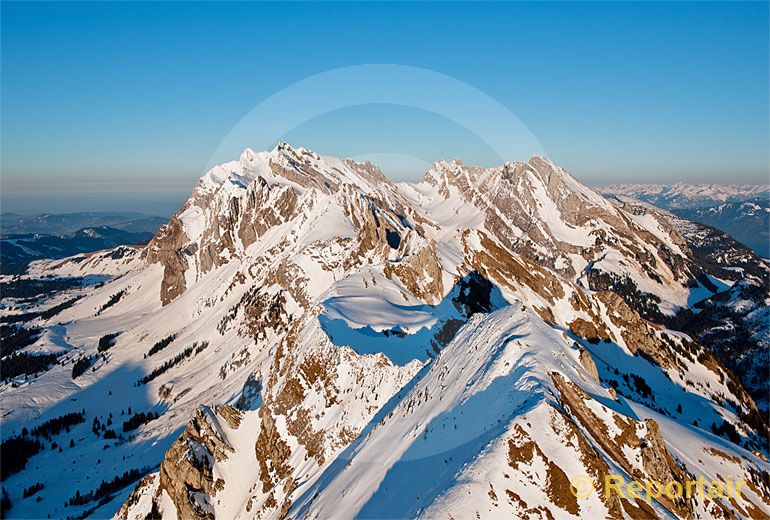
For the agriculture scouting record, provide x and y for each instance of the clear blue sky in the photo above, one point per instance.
(104, 103)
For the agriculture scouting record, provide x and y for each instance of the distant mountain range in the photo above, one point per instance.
(66, 223)
(748, 222)
(743, 211)
(25, 238)
(682, 195)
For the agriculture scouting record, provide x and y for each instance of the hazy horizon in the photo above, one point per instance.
(84, 196)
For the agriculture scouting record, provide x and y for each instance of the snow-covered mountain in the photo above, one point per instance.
(747, 221)
(24, 238)
(17, 251)
(683, 195)
(743, 211)
(307, 339)
(733, 322)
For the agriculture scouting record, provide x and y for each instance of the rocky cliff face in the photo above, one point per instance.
(332, 344)
(186, 474)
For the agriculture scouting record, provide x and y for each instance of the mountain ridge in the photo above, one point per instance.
(687, 195)
(300, 316)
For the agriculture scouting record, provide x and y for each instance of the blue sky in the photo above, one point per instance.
(123, 106)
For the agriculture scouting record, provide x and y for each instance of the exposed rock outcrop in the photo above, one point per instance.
(168, 249)
(186, 472)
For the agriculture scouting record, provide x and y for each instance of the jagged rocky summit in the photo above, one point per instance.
(319, 342)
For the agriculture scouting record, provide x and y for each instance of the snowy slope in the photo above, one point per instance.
(450, 447)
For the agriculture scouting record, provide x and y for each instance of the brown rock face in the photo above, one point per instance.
(637, 333)
(657, 462)
(186, 472)
(273, 454)
(588, 364)
(259, 215)
(587, 330)
(166, 249)
(415, 271)
(522, 450)
(496, 263)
